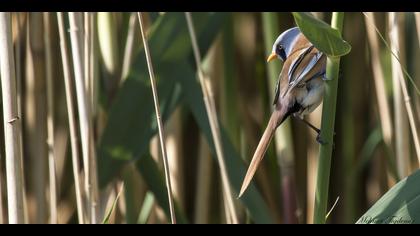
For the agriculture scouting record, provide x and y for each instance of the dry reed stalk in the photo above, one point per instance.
(19, 43)
(417, 17)
(84, 116)
(400, 118)
(71, 116)
(384, 111)
(159, 120)
(212, 116)
(50, 119)
(400, 89)
(129, 47)
(12, 123)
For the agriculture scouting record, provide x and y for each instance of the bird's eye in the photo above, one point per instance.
(280, 51)
(279, 48)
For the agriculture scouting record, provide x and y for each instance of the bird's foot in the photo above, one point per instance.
(323, 142)
(320, 140)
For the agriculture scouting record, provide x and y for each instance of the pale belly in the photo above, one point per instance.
(311, 95)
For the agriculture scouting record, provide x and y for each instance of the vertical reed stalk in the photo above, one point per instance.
(71, 117)
(84, 115)
(86, 51)
(410, 113)
(384, 113)
(92, 90)
(18, 59)
(400, 117)
(12, 124)
(158, 118)
(395, 35)
(417, 16)
(50, 119)
(129, 47)
(108, 45)
(327, 129)
(212, 116)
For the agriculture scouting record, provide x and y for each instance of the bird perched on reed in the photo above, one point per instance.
(299, 89)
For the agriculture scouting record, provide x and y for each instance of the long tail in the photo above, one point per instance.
(276, 119)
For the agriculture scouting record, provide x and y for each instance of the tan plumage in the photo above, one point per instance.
(299, 91)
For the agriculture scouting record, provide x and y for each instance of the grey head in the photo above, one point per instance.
(284, 44)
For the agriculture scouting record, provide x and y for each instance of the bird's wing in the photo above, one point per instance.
(277, 92)
(298, 61)
(302, 68)
(292, 68)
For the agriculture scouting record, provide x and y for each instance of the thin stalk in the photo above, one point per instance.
(129, 47)
(158, 118)
(50, 120)
(108, 45)
(401, 128)
(89, 59)
(84, 115)
(93, 84)
(71, 117)
(93, 63)
(86, 51)
(407, 100)
(228, 216)
(398, 59)
(92, 91)
(384, 113)
(417, 16)
(12, 125)
(18, 49)
(212, 116)
(327, 129)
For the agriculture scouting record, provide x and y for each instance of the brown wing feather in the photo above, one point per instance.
(284, 83)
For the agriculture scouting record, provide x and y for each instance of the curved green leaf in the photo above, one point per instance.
(321, 35)
(400, 205)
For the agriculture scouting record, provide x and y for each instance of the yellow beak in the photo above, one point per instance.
(271, 57)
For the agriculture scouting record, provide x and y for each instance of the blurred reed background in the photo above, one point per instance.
(89, 132)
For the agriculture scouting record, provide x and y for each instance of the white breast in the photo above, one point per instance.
(311, 95)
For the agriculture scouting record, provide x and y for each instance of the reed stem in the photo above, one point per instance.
(11, 122)
(71, 117)
(84, 113)
(50, 119)
(212, 116)
(327, 129)
(159, 119)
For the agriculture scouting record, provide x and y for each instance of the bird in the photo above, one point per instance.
(299, 89)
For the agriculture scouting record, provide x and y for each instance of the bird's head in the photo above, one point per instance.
(284, 44)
